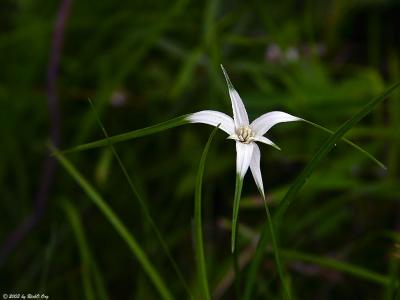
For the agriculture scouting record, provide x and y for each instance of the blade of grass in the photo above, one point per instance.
(175, 122)
(199, 247)
(301, 179)
(76, 225)
(235, 254)
(256, 262)
(142, 204)
(277, 252)
(334, 264)
(88, 262)
(326, 147)
(236, 203)
(366, 153)
(138, 252)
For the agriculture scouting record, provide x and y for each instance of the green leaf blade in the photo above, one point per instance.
(138, 252)
(175, 122)
(199, 245)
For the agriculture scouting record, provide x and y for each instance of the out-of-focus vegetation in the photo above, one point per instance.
(144, 62)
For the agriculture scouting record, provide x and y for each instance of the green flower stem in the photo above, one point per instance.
(236, 204)
(235, 225)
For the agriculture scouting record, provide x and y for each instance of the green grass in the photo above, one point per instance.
(121, 229)
(199, 244)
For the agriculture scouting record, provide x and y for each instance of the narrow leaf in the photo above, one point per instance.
(235, 257)
(178, 121)
(133, 245)
(334, 264)
(326, 147)
(199, 247)
(355, 146)
(76, 225)
(142, 204)
(236, 203)
(301, 179)
(277, 254)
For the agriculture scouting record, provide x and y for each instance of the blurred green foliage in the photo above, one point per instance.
(144, 62)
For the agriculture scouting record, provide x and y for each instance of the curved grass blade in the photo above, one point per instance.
(256, 262)
(178, 121)
(326, 147)
(366, 153)
(138, 252)
(277, 253)
(76, 225)
(234, 233)
(301, 179)
(334, 264)
(257, 258)
(86, 256)
(236, 204)
(199, 247)
(142, 205)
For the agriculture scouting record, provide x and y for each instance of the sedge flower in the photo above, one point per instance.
(244, 133)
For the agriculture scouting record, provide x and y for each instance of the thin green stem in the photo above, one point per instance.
(334, 264)
(236, 204)
(307, 171)
(325, 149)
(178, 121)
(76, 225)
(236, 269)
(199, 246)
(142, 204)
(277, 253)
(138, 252)
(235, 225)
(355, 146)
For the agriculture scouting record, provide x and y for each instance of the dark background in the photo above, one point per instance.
(144, 62)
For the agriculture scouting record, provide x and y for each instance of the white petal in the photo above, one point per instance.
(239, 111)
(263, 123)
(213, 118)
(255, 169)
(243, 157)
(263, 139)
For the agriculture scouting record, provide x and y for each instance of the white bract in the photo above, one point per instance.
(244, 133)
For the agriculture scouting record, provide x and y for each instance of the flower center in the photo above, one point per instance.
(245, 134)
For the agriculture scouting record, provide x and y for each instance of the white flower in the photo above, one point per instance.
(244, 133)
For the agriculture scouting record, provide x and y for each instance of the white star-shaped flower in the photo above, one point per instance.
(244, 133)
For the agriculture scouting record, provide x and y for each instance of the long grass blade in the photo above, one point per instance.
(334, 264)
(89, 264)
(355, 146)
(76, 225)
(199, 246)
(277, 253)
(326, 147)
(301, 179)
(143, 205)
(236, 204)
(178, 121)
(256, 262)
(138, 252)
(234, 233)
